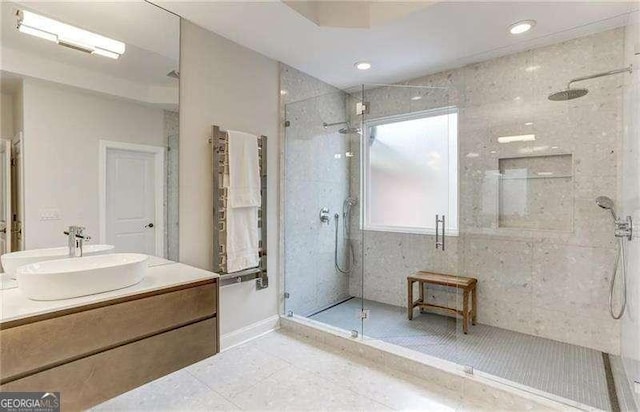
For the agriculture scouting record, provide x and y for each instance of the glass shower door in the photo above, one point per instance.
(409, 217)
(321, 273)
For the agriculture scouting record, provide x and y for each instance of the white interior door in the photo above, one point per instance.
(130, 197)
(5, 196)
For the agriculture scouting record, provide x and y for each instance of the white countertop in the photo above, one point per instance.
(162, 274)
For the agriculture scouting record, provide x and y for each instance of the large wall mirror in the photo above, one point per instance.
(89, 126)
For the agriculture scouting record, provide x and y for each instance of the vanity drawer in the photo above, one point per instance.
(86, 382)
(31, 347)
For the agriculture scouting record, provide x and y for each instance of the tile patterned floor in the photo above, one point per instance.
(283, 373)
(566, 370)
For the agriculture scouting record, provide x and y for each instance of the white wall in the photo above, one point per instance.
(18, 118)
(62, 128)
(7, 130)
(231, 86)
(30, 65)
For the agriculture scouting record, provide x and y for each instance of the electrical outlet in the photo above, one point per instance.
(49, 214)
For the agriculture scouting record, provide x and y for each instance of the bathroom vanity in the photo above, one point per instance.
(93, 348)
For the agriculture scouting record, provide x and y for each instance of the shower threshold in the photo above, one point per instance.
(570, 374)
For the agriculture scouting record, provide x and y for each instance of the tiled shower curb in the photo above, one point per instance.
(511, 395)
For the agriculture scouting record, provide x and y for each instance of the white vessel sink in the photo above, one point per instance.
(72, 277)
(12, 261)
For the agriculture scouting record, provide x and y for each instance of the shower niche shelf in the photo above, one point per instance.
(536, 192)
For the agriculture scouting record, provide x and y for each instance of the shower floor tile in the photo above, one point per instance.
(566, 370)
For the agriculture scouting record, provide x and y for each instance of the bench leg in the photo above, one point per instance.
(410, 299)
(422, 286)
(474, 305)
(465, 312)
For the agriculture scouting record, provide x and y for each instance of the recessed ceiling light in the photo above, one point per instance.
(363, 65)
(416, 98)
(522, 26)
(528, 124)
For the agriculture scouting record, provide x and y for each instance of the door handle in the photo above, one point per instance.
(440, 243)
(149, 225)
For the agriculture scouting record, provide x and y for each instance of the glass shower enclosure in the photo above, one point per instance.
(478, 171)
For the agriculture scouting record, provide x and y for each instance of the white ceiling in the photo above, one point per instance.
(440, 36)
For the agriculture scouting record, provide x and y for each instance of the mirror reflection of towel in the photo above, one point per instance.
(243, 202)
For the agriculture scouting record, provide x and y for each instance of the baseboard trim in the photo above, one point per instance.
(249, 332)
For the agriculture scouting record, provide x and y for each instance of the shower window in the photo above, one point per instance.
(411, 172)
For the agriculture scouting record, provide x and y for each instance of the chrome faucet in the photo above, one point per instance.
(76, 240)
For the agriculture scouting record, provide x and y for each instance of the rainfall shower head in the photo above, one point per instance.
(345, 130)
(568, 94)
(349, 130)
(607, 204)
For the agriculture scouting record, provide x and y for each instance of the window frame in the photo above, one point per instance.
(451, 229)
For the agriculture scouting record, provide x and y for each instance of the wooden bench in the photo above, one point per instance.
(467, 285)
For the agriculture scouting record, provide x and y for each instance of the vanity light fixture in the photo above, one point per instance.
(518, 138)
(362, 65)
(69, 36)
(522, 26)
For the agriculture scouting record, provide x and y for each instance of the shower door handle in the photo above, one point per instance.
(440, 240)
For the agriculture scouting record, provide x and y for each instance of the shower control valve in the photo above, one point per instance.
(624, 228)
(324, 215)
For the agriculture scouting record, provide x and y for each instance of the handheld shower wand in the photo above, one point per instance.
(347, 205)
(623, 229)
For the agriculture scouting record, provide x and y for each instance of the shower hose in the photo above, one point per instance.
(349, 250)
(620, 261)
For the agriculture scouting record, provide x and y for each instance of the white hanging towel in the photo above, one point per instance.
(243, 202)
